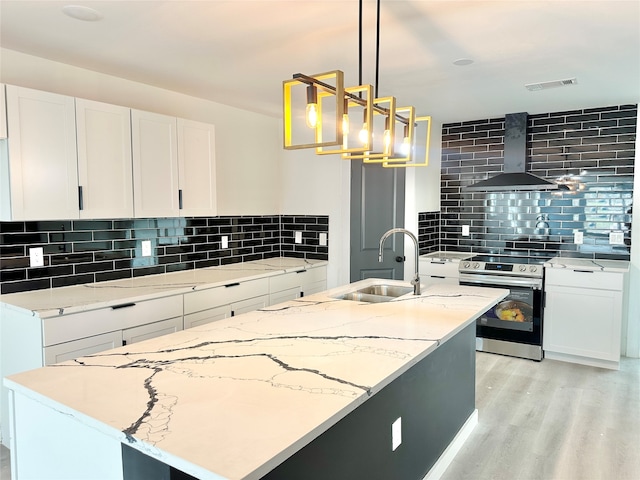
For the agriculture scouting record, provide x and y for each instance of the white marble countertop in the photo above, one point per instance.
(444, 256)
(77, 298)
(621, 266)
(235, 398)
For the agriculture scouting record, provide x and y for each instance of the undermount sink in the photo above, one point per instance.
(386, 290)
(376, 293)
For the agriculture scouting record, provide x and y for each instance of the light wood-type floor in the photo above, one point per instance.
(552, 421)
(544, 421)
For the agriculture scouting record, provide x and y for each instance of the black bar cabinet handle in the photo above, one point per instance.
(583, 271)
(80, 198)
(180, 199)
(123, 305)
(231, 285)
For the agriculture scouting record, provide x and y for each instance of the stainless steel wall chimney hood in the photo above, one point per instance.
(514, 176)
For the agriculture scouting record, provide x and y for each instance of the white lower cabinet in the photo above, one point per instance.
(70, 336)
(151, 330)
(292, 285)
(583, 316)
(206, 316)
(435, 272)
(84, 346)
(209, 305)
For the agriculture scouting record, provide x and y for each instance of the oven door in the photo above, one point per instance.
(517, 318)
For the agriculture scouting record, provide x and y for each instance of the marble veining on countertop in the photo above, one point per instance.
(588, 264)
(234, 398)
(89, 296)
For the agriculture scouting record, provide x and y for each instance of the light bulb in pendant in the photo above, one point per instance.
(405, 148)
(364, 134)
(386, 142)
(311, 114)
(345, 130)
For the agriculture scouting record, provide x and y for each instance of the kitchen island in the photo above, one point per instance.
(267, 391)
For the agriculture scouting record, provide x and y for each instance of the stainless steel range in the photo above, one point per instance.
(514, 326)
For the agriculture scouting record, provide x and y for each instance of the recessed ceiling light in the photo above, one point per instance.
(80, 12)
(461, 62)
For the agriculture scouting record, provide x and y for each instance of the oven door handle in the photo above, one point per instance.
(494, 280)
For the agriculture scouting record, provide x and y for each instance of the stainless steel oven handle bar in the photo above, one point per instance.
(495, 280)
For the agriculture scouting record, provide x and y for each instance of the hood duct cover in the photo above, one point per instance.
(515, 176)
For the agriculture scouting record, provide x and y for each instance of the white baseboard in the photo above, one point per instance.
(592, 362)
(454, 447)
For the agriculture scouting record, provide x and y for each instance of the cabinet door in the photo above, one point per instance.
(104, 160)
(43, 175)
(249, 305)
(583, 322)
(155, 165)
(284, 296)
(151, 330)
(84, 346)
(196, 168)
(207, 316)
(3, 113)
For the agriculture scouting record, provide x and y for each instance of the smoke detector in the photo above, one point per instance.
(534, 87)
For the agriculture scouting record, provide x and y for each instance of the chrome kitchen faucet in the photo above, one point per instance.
(416, 279)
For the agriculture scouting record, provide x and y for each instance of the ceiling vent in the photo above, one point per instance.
(534, 87)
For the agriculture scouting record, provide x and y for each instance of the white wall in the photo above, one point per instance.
(633, 323)
(248, 145)
(320, 185)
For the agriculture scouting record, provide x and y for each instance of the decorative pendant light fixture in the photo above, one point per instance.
(319, 112)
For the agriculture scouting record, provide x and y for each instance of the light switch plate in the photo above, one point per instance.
(146, 248)
(36, 257)
(298, 237)
(224, 241)
(578, 238)
(396, 433)
(465, 230)
(323, 239)
(616, 238)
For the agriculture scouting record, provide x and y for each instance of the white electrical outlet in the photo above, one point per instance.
(224, 241)
(146, 248)
(298, 237)
(36, 257)
(396, 433)
(465, 230)
(578, 238)
(616, 238)
(323, 239)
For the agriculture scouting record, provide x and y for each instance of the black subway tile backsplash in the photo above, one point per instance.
(87, 251)
(592, 151)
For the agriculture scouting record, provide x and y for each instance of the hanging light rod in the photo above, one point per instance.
(301, 77)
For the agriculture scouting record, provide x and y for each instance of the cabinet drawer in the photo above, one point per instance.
(86, 324)
(287, 281)
(584, 279)
(84, 346)
(445, 269)
(234, 292)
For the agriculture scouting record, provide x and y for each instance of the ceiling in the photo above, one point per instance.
(238, 52)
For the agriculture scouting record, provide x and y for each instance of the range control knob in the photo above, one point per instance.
(523, 268)
(476, 265)
(466, 264)
(533, 268)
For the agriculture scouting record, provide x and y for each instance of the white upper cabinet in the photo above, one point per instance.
(197, 168)
(41, 169)
(155, 165)
(3, 113)
(104, 160)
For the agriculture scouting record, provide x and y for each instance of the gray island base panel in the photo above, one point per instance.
(237, 398)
